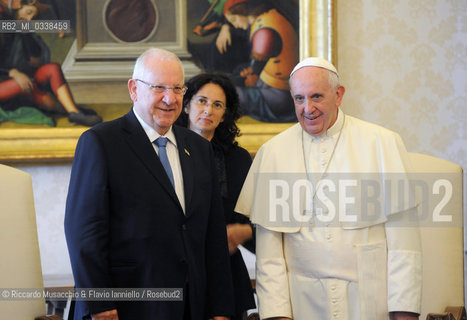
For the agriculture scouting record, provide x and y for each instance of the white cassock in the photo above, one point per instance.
(362, 263)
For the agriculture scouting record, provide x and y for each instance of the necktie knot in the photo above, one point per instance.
(161, 142)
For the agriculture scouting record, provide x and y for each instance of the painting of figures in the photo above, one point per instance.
(256, 43)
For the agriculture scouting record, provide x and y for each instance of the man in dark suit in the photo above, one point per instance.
(135, 220)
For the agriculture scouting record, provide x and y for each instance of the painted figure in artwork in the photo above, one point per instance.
(265, 56)
(263, 86)
(228, 49)
(27, 78)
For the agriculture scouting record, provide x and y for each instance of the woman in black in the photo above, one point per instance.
(211, 108)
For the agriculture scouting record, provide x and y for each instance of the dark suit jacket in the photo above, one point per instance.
(125, 227)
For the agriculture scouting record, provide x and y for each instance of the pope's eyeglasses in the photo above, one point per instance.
(157, 88)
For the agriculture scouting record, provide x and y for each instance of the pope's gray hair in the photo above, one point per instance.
(333, 80)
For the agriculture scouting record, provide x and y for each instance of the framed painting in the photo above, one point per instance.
(100, 59)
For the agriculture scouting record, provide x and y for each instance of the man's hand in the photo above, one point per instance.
(237, 234)
(220, 318)
(22, 79)
(106, 315)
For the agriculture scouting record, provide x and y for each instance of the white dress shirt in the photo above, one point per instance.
(172, 154)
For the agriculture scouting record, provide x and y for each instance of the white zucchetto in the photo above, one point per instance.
(315, 62)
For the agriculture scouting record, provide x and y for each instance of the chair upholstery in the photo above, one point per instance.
(20, 265)
(443, 253)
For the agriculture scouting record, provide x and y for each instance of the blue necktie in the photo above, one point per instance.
(161, 142)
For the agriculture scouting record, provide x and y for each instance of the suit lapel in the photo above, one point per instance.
(139, 143)
(186, 162)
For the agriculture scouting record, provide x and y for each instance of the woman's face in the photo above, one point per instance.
(26, 12)
(238, 21)
(206, 110)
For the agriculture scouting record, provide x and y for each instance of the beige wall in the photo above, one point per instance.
(50, 185)
(404, 65)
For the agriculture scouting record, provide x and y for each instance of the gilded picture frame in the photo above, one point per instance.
(318, 37)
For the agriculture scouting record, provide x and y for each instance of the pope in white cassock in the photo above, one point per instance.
(346, 260)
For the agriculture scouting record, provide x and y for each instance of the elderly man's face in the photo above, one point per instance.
(159, 110)
(316, 102)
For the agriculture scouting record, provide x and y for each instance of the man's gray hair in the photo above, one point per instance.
(162, 54)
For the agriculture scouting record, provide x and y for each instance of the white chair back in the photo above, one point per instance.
(443, 247)
(20, 264)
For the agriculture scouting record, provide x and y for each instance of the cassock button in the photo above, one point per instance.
(183, 226)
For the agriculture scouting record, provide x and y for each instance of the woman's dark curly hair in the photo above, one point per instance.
(226, 131)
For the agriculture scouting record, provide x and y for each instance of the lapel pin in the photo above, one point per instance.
(186, 151)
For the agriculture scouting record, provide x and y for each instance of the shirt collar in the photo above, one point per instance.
(153, 134)
(336, 127)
